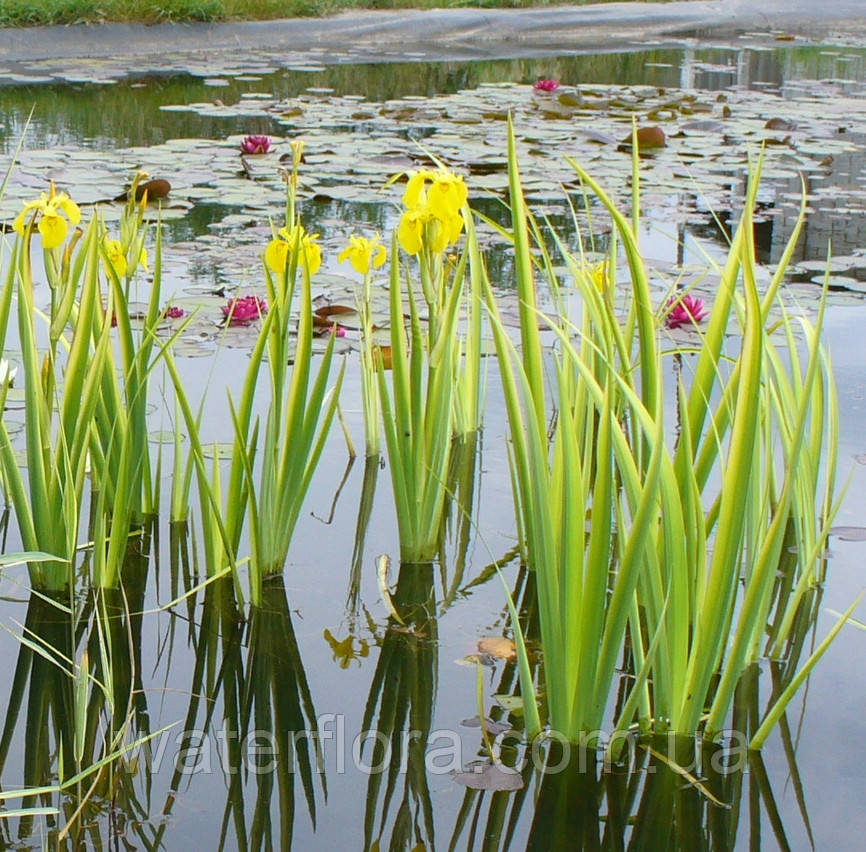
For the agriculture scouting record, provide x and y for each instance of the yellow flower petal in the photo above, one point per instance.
(380, 257)
(18, 224)
(447, 195)
(276, 255)
(311, 256)
(69, 207)
(412, 197)
(410, 232)
(441, 235)
(53, 229)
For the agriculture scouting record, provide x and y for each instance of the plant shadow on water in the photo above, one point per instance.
(85, 749)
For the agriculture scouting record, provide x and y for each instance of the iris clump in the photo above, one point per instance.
(255, 144)
(681, 559)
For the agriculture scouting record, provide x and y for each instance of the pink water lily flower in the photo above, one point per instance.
(546, 85)
(256, 144)
(244, 309)
(174, 312)
(687, 311)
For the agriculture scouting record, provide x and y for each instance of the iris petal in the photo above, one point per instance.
(53, 229)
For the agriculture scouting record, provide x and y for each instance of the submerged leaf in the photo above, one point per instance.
(849, 533)
(497, 646)
(490, 776)
(383, 565)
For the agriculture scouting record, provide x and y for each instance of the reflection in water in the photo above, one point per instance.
(128, 112)
(399, 716)
(249, 692)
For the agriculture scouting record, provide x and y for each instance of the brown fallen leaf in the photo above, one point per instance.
(648, 139)
(497, 646)
(330, 310)
(779, 124)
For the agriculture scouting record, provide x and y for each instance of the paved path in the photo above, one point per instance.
(449, 33)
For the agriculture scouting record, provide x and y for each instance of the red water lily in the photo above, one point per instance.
(244, 309)
(256, 144)
(546, 85)
(687, 311)
(174, 312)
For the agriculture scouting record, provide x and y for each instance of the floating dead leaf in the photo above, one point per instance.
(497, 646)
(490, 776)
(849, 533)
(648, 139)
(330, 310)
(780, 124)
(474, 660)
(492, 727)
(511, 703)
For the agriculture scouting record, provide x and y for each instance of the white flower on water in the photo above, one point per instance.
(6, 374)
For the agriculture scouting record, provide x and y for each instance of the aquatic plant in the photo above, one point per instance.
(685, 311)
(365, 255)
(545, 85)
(46, 211)
(268, 482)
(85, 400)
(255, 144)
(242, 310)
(614, 521)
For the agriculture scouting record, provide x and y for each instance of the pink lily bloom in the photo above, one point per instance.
(256, 144)
(546, 85)
(244, 309)
(687, 311)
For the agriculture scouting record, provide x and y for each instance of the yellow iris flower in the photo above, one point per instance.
(410, 231)
(115, 257)
(301, 245)
(433, 212)
(52, 225)
(363, 254)
(598, 273)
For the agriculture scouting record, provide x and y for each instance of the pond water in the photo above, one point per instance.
(322, 647)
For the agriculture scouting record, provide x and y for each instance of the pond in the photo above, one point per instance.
(213, 683)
